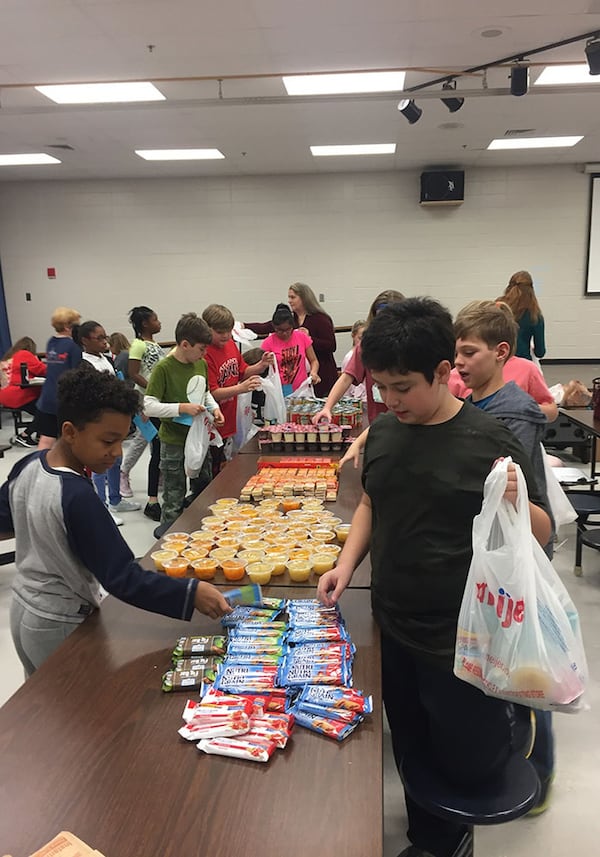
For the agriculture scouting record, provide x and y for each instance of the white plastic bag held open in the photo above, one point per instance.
(274, 409)
(518, 635)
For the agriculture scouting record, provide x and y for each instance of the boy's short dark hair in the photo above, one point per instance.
(219, 318)
(491, 321)
(412, 336)
(193, 328)
(84, 394)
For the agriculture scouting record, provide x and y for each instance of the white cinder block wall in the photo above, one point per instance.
(179, 244)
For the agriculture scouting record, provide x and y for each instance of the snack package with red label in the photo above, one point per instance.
(337, 697)
(274, 700)
(283, 722)
(213, 724)
(267, 733)
(325, 633)
(256, 750)
(325, 726)
(237, 678)
(226, 703)
(298, 672)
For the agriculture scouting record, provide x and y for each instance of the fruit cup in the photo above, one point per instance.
(233, 569)
(290, 503)
(299, 570)
(251, 555)
(176, 537)
(161, 556)
(322, 535)
(176, 567)
(176, 546)
(322, 562)
(341, 532)
(195, 553)
(279, 561)
(260, 572)
(204, 569)
(222, 554)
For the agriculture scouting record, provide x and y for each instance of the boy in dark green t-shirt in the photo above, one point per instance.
(426, 462)
(167, 398)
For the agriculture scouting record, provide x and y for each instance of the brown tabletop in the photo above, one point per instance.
(90, 744)
(229, 484)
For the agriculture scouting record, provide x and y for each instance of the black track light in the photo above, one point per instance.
(592, 53)
(409, 109)
(519, 79)
(453, 104)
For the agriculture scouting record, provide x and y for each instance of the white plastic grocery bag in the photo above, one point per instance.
(518, 635)
(200, 436)
(560, 506)
(245, 428)
(274, 409)
(305, 390)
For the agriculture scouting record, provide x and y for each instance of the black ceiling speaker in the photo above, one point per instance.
(519, 79)
(592, 53)
(443, 187)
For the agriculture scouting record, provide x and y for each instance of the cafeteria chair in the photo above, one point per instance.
(510, 795)
(586, 504)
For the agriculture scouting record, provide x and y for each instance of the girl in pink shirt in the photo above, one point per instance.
(293, 348)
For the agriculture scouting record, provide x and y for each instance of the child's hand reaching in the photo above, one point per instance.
(209, 600)
(314, 378)
(250, 384)
(267, 359)
(191, 409)
(218, 417)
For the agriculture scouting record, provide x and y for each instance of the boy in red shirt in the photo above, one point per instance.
(228, 375)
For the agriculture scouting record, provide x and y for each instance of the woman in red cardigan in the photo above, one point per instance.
(309, 316)
(19, 398)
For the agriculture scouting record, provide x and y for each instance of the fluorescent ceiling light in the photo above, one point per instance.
(565, 74)
(180, 154)
(366, 149)
(101, 93)
(27, 158)
(535, 142)
(329, 84)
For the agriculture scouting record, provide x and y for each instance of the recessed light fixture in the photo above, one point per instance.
(180, 154)
(555, 75)
(364, 149)
(535, 142)
(491, 33)
(27, 158)
(331, 84)
(101, 93)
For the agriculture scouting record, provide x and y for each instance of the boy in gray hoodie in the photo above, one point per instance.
(486, 336)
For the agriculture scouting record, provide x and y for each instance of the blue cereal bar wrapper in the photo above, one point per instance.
(244, 595)
(325, 726)
(337, 697)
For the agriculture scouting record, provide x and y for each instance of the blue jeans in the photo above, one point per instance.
(110, 478)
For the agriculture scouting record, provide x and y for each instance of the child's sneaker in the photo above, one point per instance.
(125, 506)
(124, 485)
(152, 511)
(118, 521)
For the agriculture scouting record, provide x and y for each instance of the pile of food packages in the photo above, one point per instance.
(280, 663)
(303, 476)
(293, 537)
(294, 437)
(347, 412)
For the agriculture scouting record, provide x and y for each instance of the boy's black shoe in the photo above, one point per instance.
(161, 530)
(152, 511)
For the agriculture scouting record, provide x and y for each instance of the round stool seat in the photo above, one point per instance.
(591, 538)
(508, 796)
(585, 504)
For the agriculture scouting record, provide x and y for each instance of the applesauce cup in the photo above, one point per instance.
(260, 572)
(233, 569)
(227, 541)
(161, 556)
(174, 545)
(176, 567)
(322, 535)
(251, 555)
(221, 554)
(191, 553)
(202, 536)
(341, 532)
(211, 522)
(204, 569)
(332, 550)
(279, 561)
(227, 501)
(176, 537)
(322, 562)
(299, 570)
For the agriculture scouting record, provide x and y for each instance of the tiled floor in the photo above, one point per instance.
(571, 824)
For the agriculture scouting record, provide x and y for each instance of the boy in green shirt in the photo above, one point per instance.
(166, 397)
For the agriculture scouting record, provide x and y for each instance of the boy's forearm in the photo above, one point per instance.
(541, 525)
(338, 389)
(221, 394)
(161, 410)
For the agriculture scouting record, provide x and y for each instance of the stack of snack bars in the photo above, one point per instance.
(286, 662)
(301, 476)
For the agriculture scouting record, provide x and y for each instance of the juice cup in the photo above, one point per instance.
(299, 570)
(260, 572)
(176, 567)
(233, 569)
(204, 569)
(322, 562)
(341, 532)
(161, 556)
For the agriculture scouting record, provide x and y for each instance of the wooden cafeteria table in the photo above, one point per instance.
(229, 483)
(89, 744)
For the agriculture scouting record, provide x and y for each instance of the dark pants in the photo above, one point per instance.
(30, 408)
(154, 463)
(468, 735)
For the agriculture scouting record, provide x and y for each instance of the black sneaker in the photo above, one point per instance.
(21, 440)
(152, 511)
(161, 530)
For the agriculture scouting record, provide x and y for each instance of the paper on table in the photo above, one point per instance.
(66, 844)
(570, 476)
